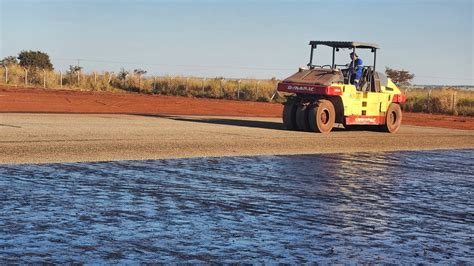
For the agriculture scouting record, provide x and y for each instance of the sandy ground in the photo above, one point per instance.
(41, 138)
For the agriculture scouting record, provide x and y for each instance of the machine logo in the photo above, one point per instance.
(365, 120)
(300, 88)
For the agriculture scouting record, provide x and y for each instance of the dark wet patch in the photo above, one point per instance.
(395, 207)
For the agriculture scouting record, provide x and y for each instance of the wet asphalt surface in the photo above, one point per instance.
(392, 207)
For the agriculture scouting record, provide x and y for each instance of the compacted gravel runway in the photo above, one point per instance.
(41, 138)
(34, 100)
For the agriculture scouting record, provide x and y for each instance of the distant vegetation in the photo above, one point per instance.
(135, 81)
(35, 60)
(35, 69)
(401, 78)
(441, 100)
(444, 100)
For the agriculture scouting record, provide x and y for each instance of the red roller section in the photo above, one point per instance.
(399, 98)
(309, 89)
(365, 120)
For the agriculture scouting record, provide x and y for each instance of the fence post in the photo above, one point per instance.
(256, 90)
(154, 84)
(429, 100)
(222, 87)
(186, 86)
(276, 92)
(110, 78)
(203, 83)
(78, 77)
(169, 84)
(95, 78)
(454, 102)
(6, 74)
(61, 79)
(238, 89)
(44, 78)
(26, 75)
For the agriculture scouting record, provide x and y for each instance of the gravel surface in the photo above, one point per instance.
(35, 100)
(41, 138)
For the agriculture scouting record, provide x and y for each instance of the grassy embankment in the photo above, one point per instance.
(440, 101)
(250, 89)
(418, 100)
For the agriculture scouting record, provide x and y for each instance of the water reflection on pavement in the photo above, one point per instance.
(394, 207)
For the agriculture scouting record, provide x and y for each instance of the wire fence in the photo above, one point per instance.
(217, 87)
(445, 100)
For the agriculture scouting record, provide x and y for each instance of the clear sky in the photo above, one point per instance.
(240, 39)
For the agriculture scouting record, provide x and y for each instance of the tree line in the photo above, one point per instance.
(40, 60)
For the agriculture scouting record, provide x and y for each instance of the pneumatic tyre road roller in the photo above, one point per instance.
(321, 96)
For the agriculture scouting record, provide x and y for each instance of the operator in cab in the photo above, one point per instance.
(355, 69)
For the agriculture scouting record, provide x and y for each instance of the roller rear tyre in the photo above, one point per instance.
(302, 121)
(289, 115)
(322, 116)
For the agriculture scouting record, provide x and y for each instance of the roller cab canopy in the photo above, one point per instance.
(338, 44)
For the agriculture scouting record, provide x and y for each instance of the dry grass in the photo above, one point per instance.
(444, 101)
(246, 89)
(418, 100)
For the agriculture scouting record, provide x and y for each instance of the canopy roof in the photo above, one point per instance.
(336, 44)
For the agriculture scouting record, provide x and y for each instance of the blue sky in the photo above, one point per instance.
(240, 39)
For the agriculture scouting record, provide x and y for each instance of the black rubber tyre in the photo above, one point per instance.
(354, 127)
(322, 116)
(289, 114)
(349, 127)
(393, 118)
(302, 121)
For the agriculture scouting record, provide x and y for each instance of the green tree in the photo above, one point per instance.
(139, 72)
(399, 77)
(72, 74)
(122, 75)
(9, 60)
(74, 69)
(35, 59)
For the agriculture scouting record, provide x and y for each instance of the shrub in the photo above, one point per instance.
(9, 60)
(35, 59)
(440, 101)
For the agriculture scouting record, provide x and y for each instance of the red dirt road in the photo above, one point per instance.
(14, 99)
